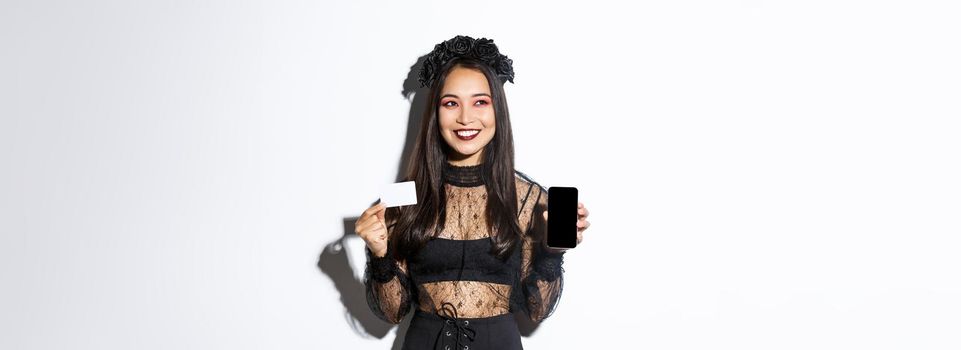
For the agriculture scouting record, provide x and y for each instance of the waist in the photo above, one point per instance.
(433, 317)
(476, 274)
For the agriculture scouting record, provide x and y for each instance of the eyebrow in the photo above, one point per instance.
(474, 95)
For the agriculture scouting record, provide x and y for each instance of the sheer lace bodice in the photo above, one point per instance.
(457, 267)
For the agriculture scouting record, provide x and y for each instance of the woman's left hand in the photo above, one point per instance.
(582, 223)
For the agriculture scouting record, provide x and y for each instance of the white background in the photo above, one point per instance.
(760, 174)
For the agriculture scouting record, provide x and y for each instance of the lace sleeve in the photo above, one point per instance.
(388, 286)
(542, 277)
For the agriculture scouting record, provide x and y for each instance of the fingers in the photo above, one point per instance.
(373, 209)
(380, 214)
(370, 219)
(374, 237)
(545, 215)
(363, 224)
(378, 233)
(373, 224)
(580, 237)
(363, 228)
(582, 210)
(582, 224)
(372, 229)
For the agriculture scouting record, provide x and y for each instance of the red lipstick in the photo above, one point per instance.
(466, 134)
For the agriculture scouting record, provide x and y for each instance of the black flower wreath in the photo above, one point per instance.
(481, 49)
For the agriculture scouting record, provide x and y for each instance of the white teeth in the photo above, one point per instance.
(467, 133)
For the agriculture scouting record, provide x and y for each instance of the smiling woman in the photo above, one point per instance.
(472, 251)
(466, 115)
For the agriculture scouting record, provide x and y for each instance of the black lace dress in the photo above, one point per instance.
(464, 295)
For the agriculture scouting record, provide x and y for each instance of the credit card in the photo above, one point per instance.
(398, 194)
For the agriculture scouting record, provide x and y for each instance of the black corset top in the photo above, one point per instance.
(444, 259)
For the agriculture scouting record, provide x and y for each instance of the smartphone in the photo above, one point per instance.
(562, 217)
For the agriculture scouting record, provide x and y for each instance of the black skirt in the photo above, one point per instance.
(442, 332)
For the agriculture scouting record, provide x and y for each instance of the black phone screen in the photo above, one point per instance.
(562, 217)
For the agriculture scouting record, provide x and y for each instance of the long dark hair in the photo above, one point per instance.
(416, 224)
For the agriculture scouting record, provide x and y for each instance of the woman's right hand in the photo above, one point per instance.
(372, 227)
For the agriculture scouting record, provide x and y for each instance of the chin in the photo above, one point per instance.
(467, 154)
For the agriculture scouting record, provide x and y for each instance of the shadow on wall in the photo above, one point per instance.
(335, 263)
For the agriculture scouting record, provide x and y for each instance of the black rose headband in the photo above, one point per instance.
(481, 49)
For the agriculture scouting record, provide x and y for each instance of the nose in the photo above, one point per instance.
(466, 116)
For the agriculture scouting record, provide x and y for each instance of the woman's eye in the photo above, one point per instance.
(447, 104)
(482, 102)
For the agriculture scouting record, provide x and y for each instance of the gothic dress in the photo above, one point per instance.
(464, 296)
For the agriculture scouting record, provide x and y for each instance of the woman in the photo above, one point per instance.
(471, 251)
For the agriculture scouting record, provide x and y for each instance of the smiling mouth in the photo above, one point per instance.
(466, 134)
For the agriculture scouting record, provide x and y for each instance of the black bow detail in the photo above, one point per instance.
(454, 326)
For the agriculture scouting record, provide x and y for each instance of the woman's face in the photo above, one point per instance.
(466, 115)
